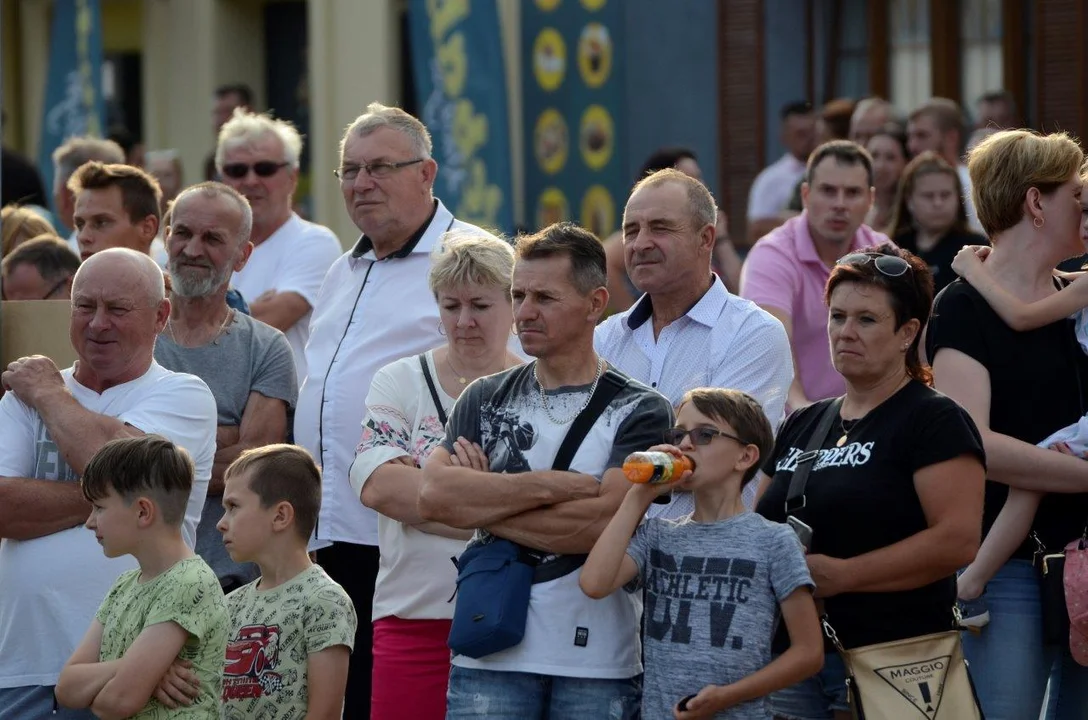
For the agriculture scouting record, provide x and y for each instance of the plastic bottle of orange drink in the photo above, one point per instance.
(655, 467)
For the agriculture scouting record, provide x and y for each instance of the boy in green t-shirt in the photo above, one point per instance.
(169, 612)
(292, 629)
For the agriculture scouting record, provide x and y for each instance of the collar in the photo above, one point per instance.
(805, 246)
(365, 244)
(705, 312)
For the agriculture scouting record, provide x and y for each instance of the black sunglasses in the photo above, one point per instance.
(699, 435)
(263, 168)
(888, 265)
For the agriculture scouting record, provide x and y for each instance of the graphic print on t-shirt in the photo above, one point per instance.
(48, 461)
(253, 654)
(506, 437)
(854, 454)
(672, 584)
(921, 683)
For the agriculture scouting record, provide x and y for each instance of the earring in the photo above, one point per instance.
(1038, 222)
(441, 329)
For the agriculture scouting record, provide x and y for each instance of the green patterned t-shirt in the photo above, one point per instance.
(273, 633)
(187, 594)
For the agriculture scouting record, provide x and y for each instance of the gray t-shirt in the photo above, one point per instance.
(250, 357)
(712, 592)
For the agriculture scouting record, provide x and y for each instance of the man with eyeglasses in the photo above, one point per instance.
(687, 330)
(53, 575)
(787, 270)
(258, 156)
(375, 307)
(39, 269)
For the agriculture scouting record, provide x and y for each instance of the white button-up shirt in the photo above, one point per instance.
(368, 313)
(723, 341)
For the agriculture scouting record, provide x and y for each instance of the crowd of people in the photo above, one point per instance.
(279, 446)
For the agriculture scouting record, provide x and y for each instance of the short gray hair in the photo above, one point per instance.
(217, 189)
(245, 128)
(379, 116)
(463, 258)
(78, 151)
(701, 205)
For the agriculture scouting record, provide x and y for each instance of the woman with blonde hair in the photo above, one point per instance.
(929, 217)
(20, 224)
(405, 420)
(1020, 387)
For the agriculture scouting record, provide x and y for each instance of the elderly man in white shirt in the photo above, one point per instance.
(687, 330)
(259, 157)
(53, 575)
(374, 307)
(773, 187)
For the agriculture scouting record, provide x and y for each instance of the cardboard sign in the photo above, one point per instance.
(36, 327)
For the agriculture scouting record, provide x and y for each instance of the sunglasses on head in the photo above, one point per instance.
(888, 265)
(264, 168)
(699, 435)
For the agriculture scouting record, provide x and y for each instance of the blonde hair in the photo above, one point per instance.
(245, 128)
(20, 224)
(465, 259)
(1007, 164)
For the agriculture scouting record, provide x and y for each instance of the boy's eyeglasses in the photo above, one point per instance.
(699, 435)
(264, 168)
(888, 265)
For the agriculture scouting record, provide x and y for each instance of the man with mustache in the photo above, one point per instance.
(259, 156)
(687, 330)
(787, 270)
(247, 364)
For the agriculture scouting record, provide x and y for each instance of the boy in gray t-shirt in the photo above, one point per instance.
(715, 581)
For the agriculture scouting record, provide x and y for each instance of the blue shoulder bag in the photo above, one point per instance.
(495, 579)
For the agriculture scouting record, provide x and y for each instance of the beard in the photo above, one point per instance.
(196, 281)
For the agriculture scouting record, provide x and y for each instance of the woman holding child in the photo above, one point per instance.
(1020, 387)
(405, 419)
(894, 498)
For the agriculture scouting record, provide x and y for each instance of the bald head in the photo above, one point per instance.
(126, 267)
(870, 115)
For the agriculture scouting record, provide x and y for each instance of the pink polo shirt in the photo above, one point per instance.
(783, 271)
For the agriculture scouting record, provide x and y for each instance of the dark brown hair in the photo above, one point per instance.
(845, 152)
(741, 411)
(910, 296)
(150, 466)
(140, 192)
(926, 163)
(588, 266)
(283, 473)
(51, 256)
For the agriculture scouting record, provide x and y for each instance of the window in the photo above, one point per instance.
(980, 42)
(909, 51)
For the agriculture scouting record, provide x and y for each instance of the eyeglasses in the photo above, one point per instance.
(888, 265)
(379, 170)
(699, 435)
(263, 168)
(56, 288)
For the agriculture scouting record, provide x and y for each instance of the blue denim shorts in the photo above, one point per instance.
(497, 695)
(817, 698)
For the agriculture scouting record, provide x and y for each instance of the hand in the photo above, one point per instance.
(663, 488)
(404, 460)
(30, 378)
(967, 587)
(827, 573)
(469, 455)
(1064, 449)
(710, 700)
(179, 686)
(969, 259)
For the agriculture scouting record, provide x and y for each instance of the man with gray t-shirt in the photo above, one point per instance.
(247, 364)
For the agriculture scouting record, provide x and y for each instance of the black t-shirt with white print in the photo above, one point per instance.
(861, 497)
(1038, 384)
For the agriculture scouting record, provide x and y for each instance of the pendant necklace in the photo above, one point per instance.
(847, 426)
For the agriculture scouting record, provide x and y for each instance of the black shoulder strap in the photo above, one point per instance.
(795, 498)
(433, 389)
(610, 385)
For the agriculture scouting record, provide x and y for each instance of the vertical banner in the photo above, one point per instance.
(73, 92)
(460, 80)
(572, 98)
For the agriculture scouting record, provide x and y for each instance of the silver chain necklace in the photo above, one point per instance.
(544, 397)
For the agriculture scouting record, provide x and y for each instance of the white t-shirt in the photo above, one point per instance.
(968, 201)
(415, 575)
(294, 259)
(773, 187)
(369, 313)
(566, 633)
(51, 587)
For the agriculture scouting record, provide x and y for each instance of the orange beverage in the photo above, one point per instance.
(655, 467)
